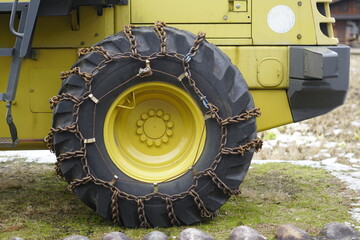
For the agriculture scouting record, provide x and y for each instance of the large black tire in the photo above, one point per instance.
(90, 170)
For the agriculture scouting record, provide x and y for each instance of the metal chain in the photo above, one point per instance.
(76, 70)
(159, 29)
(212, 112)
(171, 213)
(253, 144)
(58, 170)
(204, 212)
(78, 182)
(220, 184)
(99, 49)
(69, 155)
(115, 207)
(64, 96)
(242, 117)
(141, 213)
(132, 40)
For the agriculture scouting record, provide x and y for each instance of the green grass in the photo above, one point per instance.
(35, 204)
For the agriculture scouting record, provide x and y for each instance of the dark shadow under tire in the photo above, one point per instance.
(78, 130)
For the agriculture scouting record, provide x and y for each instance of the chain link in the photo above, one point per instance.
(63, 97)
(159, 29)
(211, 112)
(115, 207)
(99, 49)
(242, 117)
(76, 70)
(220, 184)
(171, 213)
(132, 40)
(204, 212)
(253, 144)
(141, 213)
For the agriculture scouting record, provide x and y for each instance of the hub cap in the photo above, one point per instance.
(154, 132)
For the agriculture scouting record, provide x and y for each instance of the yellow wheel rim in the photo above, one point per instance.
(154, 132)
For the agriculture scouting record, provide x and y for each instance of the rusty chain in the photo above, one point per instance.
(99, 49)
(63, 97)
(171, 213)
(132, 40)
(253, 144)
(220, 184)
(204, 212)
(76, 70)
(242, 117)
(115, 214)
(212, 112)
(159, 29)
(141, 213)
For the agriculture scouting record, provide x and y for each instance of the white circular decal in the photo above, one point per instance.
(281, 19)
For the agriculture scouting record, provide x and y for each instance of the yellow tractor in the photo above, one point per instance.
(155, 124)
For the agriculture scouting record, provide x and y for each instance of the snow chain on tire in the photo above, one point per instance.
(212, 112)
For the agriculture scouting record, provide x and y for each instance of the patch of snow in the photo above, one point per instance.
(39, 156)
(337, 131)
(331, 165)
(355, 123)
(331, 144)
(354, 160)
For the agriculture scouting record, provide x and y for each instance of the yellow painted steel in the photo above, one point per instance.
(189, 11)
(262, 67)
(154, 132)
(274, 106)
(326, 19)
(39, 81)
(302, 32)
(55, 31)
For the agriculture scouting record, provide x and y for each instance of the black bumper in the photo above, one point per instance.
(319, 79)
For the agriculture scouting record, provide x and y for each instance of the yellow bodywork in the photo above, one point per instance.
(239, 28)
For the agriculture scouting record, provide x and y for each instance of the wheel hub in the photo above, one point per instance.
(154, 132)
(154, 127)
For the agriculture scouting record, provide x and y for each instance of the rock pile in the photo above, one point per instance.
(331, 231)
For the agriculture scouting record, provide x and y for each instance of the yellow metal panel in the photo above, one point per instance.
(13, 0)
(230, 42)
(122, 17)
(55, 31)
(322, 39)
(38, 81)
(218, 30)
(40, 92)
(238, 6)
(274, 106)
(250, 61)
(6, 38)
(187, 11)
(302, 32)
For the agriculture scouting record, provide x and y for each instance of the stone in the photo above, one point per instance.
(156, 235)
(290, 232)
(16, 238)
(194, 234)
(116, 236)
(76, 237)
(339, 231)
(245, 233)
